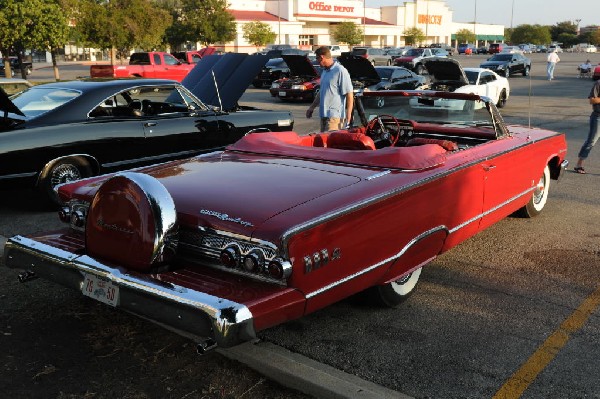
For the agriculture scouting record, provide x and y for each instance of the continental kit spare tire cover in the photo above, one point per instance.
(132, 223)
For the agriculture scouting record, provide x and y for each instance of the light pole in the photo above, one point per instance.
(512, 13)
(364, 22)
(475, 24)
(427, 23)
(279, 21)
(578, 20)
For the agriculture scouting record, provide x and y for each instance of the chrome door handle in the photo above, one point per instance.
(150, 124)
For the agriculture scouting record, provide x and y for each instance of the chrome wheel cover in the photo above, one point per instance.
(404, 285)
(64, 173)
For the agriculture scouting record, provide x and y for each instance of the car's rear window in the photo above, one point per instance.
(359, 51)
(38, 100)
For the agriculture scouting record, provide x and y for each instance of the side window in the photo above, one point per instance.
(170, 60)
(157, 60)
(196, 58)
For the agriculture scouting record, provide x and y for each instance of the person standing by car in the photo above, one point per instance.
(336, 97)
(552, 60)
(594, 133)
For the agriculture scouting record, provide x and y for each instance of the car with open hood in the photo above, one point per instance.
(447, 74)
(221, 246)
(303, 81)
(274, 69)
(507, 64)
(365, 76)
(56, 132)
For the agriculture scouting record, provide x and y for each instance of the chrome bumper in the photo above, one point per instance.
(200, 316)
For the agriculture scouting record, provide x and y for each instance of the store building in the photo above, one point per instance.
(307, 24)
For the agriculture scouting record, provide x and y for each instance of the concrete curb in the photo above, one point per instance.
(306, 375)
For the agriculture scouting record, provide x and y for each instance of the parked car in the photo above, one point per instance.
(337, 50)
(63, 131)
(555, 47)
(331, 215)
(367, 77)
(193, 56)
(541, 49)
(449, 49)
(506, 64)
(303, 81)
(395, 52)
(512, 50)
(525, 48)
(596, 74)
(277, 53)
(15, 66)
(376, 56)
(413, 59)
(151, 64)
(482, 50)
(273, 70)
(495, 48)
(446, 74)
(462, 48)
(13, 85)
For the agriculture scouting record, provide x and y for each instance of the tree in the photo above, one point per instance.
(595, 38)
(347, 32)
(50, 32)
(413, 36)
(16, 18)
(258, 33)
(465, 36)
(122, 24)
(535, 34)
(562, 27)
(205, 21)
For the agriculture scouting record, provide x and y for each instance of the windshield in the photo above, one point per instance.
(414, 52)
(424, 109)
(501, 57)
(38, 100)
(472, 76)
(384, 73)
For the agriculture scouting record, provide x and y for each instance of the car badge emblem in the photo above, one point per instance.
(225, 217)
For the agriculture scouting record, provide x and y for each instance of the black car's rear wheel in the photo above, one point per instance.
(526, 71)
(62, 171)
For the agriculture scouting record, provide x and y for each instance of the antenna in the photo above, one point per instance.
(217, 89)
(529, 106)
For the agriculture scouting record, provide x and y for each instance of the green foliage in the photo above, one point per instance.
(465, 36)
(347, 32)
(205, 21)
(567, 39)
(122, 24)
(535, 34)
(595, 38)
(258, 33)
(562, 27)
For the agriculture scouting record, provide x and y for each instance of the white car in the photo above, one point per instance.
(512, 50)
(555, 47)
(446, 74)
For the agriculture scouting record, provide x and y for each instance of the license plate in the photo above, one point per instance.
(282, 94)
(101, 290)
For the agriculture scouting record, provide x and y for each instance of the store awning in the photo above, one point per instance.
(263, 16)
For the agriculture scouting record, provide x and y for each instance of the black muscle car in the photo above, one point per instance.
(58, 132)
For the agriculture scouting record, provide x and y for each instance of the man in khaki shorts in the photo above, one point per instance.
(335, 98)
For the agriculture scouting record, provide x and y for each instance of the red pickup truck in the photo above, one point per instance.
(151, 64)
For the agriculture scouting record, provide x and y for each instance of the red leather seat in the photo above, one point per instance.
(350, 141)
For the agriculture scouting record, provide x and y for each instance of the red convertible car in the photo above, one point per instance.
(279, 225)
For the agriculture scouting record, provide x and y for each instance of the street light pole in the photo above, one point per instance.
(512, 13)
(279, 20)
(364, 22)
(475, 24)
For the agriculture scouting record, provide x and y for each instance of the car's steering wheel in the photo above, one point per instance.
(379, 129)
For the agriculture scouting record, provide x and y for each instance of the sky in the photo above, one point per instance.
(543, 12)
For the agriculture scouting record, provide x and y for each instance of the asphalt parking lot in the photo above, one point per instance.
(512, 312)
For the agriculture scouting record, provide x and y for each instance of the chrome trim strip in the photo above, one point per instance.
(240, 237)
(18, 175)
(376, 265)
(230, 322)
(181, 154)
(380, 174)
(415, 240)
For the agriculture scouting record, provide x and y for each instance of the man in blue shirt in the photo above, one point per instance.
(335, 97)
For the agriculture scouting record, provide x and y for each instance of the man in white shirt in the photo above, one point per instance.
(552, 60)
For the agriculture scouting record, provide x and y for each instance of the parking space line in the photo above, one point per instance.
(519, 381)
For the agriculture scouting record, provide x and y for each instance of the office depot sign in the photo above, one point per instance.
(352, 9)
